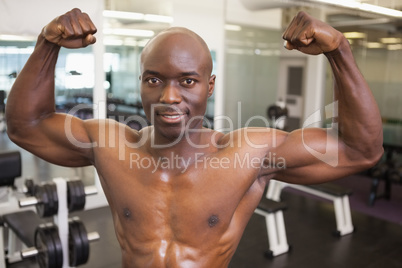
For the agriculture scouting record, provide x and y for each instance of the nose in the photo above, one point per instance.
(170, 95)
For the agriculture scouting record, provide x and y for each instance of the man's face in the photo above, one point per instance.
(175, 84)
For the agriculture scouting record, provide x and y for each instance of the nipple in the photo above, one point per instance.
(127, 213)
(213, 220)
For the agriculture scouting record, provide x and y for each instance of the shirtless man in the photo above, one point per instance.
(191, 209)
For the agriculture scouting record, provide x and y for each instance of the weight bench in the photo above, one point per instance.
(337, 194)
(273, 213)
(22, 223)
(21, 227)
(10, 169)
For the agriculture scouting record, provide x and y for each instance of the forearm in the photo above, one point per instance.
(32, 95)
(359, 120)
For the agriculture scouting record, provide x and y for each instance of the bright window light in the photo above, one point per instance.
(8, 37)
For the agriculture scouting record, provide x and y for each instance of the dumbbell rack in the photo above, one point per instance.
(61, 220)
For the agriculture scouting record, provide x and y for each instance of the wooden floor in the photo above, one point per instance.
(309, 225)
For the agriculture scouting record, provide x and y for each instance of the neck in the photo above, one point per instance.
(191, 141)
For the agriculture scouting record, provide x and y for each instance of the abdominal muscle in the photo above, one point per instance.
(167, 252)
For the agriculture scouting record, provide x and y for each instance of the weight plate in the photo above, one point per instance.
(84, 240)
(42, 208)
(82, 195)
(58, 246)
(71, 195)
(75, 246)
(52, 190)
(75, 195)
(47, 255)
(50, 206)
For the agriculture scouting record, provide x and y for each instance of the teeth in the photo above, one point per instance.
(172, 116)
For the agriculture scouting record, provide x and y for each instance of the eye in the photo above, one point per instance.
(188, 82)
(153, 81)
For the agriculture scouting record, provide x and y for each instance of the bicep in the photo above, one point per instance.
(313, 155)
(60, 139)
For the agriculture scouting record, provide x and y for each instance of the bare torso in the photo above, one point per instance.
(186, 210)
(190, 214)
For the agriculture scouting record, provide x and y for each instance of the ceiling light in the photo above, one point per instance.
(380, 10)
(112, 42)
(128, 32)
(136, 16)
(391, 40)
(374, 45)
(394, 47)
(158, 18)
(232, 27)
(123, 15)
(362, 6)
(354, 35)
(343, 3)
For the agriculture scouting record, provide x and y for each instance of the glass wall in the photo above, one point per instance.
(13, 55)
(382, 70)
(74, 70)
(379, 57)
(251, 74)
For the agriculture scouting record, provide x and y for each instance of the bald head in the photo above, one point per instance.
(178, 38)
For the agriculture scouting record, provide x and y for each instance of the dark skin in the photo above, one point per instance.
(192, 213)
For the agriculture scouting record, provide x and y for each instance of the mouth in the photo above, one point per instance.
(171, 117)
(176, 116)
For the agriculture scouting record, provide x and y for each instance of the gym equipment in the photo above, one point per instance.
(78, 242)
(10, 166)
(46, 201)
(2, 111)
(10, 169)
(273, 213)
(56, 243)
(61, 243)
(48, 248)
(20, 234)
(389, 170)
(338, 195)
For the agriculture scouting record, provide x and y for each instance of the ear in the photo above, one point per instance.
(211, 85)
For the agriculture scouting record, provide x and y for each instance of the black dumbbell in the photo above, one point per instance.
(46, 200)
(78, 242)
(48, 249)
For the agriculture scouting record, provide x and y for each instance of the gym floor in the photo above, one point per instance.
(309, 226)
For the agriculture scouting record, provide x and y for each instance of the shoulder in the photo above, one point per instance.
(255, 137)
(109, 128)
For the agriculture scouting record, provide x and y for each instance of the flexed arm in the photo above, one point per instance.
(30, 112)
(355, 142)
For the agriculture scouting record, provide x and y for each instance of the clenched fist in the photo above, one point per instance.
(311, 36)
(71, 30)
